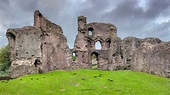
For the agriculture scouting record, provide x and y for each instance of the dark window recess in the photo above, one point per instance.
(90, 31)
(37, 62)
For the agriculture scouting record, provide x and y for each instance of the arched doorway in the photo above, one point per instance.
(94, 60)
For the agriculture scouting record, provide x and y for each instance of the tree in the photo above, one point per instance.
(4, 58)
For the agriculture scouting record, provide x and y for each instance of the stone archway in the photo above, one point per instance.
(94, 58)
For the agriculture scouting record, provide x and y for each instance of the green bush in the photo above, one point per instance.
(74, 58)
(4, 58)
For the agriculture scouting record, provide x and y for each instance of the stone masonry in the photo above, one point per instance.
(154, 59)
(37, 49)
(117, 54)
(43, 47)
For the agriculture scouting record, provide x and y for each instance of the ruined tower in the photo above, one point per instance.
(80, 47)
(84, 47)
(39, 48)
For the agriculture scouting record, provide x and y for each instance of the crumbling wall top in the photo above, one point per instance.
(81, 18)
(101, 31)
(44, 23)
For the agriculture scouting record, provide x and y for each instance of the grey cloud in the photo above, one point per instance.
(127, 15)
(128, 10)
(98, 5)
(93, 8)
(89, 8)
(161, 31)
(156, 7)
(4, 4)
(19, 13)
(51, 8)
(26, 5)
(133, 20)
(14, 14)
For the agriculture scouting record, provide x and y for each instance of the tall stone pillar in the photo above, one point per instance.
(80, 45)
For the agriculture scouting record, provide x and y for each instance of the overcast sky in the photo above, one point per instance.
(138, 18)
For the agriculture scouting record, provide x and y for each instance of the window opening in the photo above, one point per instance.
(90, 31)
(98, 45)
(74, 56)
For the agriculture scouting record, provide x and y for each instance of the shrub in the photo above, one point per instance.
(74, 58)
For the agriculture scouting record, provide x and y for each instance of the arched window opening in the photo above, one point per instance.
(74, 56)
(98, 45)
(90, 31)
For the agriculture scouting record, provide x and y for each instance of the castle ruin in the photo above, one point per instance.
(43, 47)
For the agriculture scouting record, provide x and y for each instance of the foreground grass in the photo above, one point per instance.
(87, 82)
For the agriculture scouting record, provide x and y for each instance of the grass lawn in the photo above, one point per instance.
(87, 82)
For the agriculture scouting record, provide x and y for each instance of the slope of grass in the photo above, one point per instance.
(87, 82)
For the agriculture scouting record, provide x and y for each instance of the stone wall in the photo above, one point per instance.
(43, 47)
(88, 35)
(129, 45)
(102, 58)
(24, 50)
(117, 54)
(37, 49)
(152, 58)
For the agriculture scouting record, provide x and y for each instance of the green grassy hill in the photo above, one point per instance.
(87, 82)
